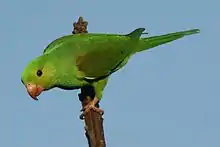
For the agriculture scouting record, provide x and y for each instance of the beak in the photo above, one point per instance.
(34, 90)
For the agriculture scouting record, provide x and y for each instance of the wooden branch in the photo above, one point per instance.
(94, 131)
(80, 26)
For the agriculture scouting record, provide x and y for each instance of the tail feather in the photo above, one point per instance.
(150, 42)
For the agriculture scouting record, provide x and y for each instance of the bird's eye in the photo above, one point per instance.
(39, 73)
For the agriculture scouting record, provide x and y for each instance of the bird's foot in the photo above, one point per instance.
(91, 106)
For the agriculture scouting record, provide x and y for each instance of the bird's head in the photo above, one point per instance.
(38, 76)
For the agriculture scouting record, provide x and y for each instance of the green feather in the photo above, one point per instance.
(74, 61)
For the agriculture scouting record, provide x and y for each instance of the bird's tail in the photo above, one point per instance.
(150, 42)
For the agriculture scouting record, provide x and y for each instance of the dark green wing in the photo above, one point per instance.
(106, 53)
(101, 62)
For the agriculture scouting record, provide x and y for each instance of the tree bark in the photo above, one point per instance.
(94, 131)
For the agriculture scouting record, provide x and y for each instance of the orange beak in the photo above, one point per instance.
(34, 90)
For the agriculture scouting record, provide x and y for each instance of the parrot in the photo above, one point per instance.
(76, 60)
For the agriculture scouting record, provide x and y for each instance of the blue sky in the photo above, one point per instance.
(180, 106)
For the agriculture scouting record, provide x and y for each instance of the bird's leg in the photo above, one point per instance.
(98, 89)
(91, 106)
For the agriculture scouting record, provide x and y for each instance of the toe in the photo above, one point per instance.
(98, 110)
(85, 107)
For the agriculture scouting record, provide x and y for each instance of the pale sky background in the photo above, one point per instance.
(181, 79)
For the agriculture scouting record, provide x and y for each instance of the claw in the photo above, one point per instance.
(81, 116)
(91, 106)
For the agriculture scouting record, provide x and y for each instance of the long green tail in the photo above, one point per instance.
(150, 42)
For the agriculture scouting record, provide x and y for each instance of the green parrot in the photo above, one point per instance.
(73, 61)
